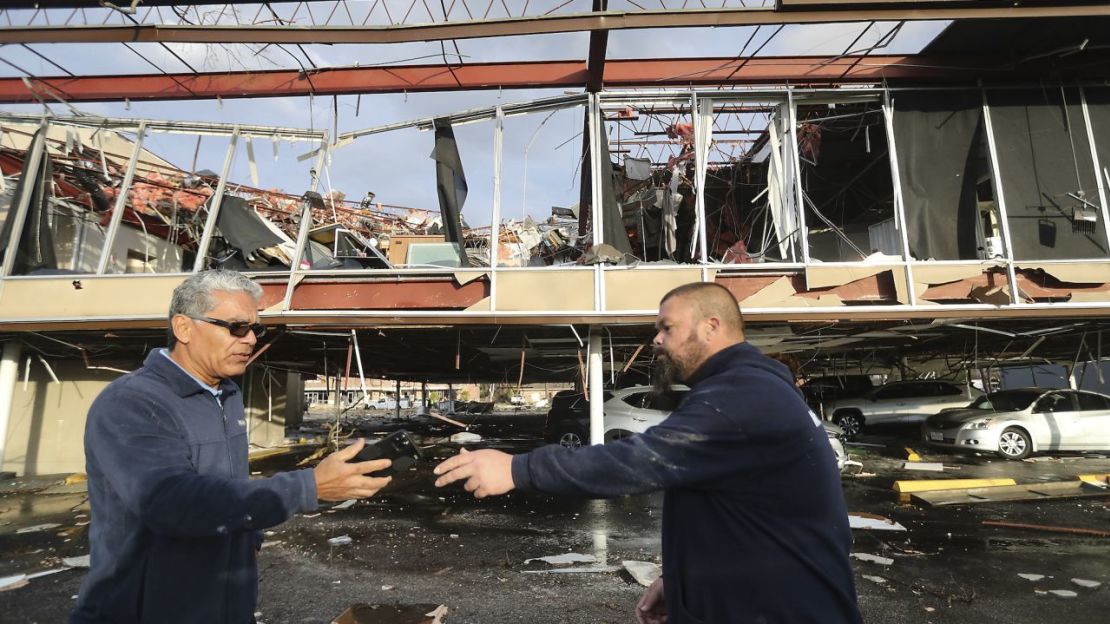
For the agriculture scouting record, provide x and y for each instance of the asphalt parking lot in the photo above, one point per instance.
(418, 545)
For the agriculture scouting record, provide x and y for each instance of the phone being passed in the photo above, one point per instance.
(397, 446)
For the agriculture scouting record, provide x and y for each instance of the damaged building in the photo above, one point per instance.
(853, 205)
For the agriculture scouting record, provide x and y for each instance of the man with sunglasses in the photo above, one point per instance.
(176, 520)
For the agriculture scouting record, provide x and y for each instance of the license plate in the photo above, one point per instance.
(936, 435)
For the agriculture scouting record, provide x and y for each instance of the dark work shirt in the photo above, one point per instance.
(755, 527)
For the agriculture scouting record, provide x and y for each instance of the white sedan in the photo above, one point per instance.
(1016, 423)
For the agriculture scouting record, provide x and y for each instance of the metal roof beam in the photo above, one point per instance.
(599, 44)
(553, 23)
(624, 73)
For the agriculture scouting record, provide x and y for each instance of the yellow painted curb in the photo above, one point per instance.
(932, 485)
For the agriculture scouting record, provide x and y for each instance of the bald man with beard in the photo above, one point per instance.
(755, 527)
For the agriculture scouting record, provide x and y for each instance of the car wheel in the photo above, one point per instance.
(570, 438)
(1014, 443)
(851, 423)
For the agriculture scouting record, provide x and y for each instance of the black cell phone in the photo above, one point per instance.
(397, 446)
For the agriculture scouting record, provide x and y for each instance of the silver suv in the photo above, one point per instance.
(898, 403)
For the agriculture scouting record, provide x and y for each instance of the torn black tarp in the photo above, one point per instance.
(243, 228)
(612, 223)
(35, 250)
(450, 185)
(1044, 160)
(938, 134)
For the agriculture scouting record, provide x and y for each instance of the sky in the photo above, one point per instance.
(541, 153)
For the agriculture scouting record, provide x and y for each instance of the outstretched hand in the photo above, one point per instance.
(337, 479)
(487, 472)
(651, 609)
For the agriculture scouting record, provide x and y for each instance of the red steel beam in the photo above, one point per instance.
(519, 75)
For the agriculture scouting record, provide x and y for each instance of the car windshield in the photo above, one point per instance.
(1007, 401)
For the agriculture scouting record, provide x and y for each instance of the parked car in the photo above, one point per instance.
(824, 389)
(631, 411)
(898, 403)
(568, 419)
(1016, 423)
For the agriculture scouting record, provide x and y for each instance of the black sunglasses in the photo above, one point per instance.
(239, 329)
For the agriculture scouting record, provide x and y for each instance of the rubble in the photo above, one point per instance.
(873, 558)
(643, 572)
(1063, 593)
(563, 559)
(873, 522)
(393, 614)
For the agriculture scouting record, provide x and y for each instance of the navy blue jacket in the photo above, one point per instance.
(754, 523)
(175, 519)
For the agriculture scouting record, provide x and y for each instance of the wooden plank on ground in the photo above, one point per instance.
(1030, 491)
(932, 485)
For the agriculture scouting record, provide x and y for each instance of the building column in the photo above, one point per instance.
(9, 375)
(597, 388)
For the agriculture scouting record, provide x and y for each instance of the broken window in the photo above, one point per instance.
(846, 180)
(164, 190)
(162, 211)
(1047, 174)
(541, 174)
(379, 201)
(651, 167)
(751, 215)
(26, 242)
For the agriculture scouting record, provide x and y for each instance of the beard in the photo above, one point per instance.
(664, 374)
(673, 368)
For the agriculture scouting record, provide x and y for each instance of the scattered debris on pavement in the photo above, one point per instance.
(857, 520)
(38, 528)
(924, 466)
(15, 581)
(1063, 593)
(393, 614)
(76, 562)
(643, 572)
(564, 559)
(577, 570)
(873, 558)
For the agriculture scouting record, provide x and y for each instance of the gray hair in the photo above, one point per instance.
(193, 297)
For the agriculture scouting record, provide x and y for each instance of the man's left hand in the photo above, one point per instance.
(487, 472)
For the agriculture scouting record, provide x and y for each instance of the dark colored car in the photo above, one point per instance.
(568, 420)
